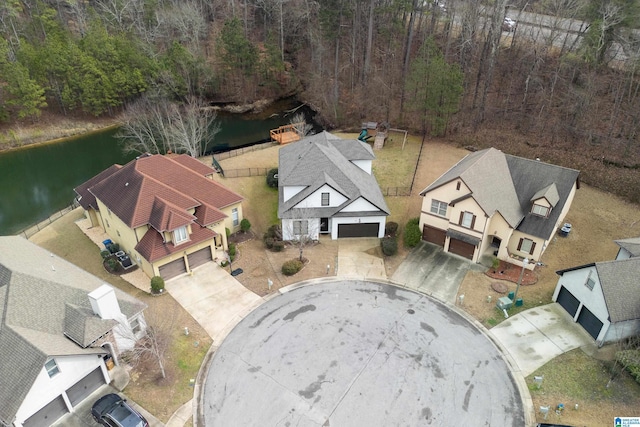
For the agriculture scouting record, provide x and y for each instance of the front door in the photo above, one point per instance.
(324, 225)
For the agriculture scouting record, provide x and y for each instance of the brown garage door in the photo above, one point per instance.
(83, 388)
(173, 269)
(200, 257)
(47, 415)
(358, 230)
(433, 235)
(461, 248)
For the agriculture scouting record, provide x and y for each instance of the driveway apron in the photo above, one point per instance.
(536, 336)
(428, 269)
(215, 299)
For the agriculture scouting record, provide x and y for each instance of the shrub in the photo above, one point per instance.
(630, 359)
(412, 233)
(227, 232)
(389, 245)
(105, 254)
(278, 246)
(274, 232)
(245, 225)
(113, 248)
(112, 264)
(291, 267)
(157, 284)
(272, 178)
(268, 242)
(232, 251)
(391, 228)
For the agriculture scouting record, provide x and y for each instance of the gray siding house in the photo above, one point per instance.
(603, 297)
(57, 325)
(325, 186)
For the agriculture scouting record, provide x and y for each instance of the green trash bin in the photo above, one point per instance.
(519, 302)
(511, 295)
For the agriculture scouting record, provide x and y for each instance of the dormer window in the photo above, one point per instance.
(540, 210)
(180, 235)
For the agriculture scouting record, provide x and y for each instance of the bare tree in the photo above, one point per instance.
(302, 229)
(157, 126)
(156, 341)
(300, 124)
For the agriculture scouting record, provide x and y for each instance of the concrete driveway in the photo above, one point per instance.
(535, 336)
(355, 262)
(430, 270)
(81, 416)
(356, 353)
(215, 299)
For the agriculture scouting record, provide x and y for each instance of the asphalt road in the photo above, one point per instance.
(354, 353)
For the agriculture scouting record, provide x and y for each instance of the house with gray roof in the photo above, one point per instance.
(58, 324)
(628, 248)
(325, 186)
(603, 297)
(492, 204)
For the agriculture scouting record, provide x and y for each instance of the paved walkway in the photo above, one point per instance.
(536, 336)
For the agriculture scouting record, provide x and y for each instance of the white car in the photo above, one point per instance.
(508, 24)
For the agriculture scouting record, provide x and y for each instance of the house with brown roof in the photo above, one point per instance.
(58, 326)
(166, 212)
(494, 205)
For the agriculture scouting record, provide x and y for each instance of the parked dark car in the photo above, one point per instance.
(112, 410)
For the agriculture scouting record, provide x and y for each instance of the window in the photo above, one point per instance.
(438, 207)
(325, 199)
(458, 185)
(300, 227)
(527, 246)
(180, 235)
(540, 210)
(590, 283)
(135, 325)
(107, 221)
(467, 219)
(234, 215)
(52, 368)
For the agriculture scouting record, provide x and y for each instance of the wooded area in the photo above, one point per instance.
(568, 95)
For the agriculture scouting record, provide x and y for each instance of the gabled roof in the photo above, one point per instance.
(152, 246)
(632, 245)
(326, 159)
(507, 184)
(44, 311)
(180, 181)
(621, 288)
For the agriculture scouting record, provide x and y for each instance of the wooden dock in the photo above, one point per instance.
(285, 134)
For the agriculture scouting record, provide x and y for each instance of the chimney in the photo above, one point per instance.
(104, 302)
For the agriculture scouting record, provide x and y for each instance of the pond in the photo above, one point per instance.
(38, 181)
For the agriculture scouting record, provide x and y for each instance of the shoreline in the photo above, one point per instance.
(71, 137)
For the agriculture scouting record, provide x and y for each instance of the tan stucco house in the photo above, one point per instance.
(166, 212)
(492, 204)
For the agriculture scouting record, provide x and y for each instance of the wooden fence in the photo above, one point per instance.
(240, 173)
(240, 151)
(33, 229)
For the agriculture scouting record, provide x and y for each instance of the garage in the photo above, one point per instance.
(590, 322)
(461, 248)
(83, 388)
(433, 235)
(173, 269)
(200, 257)
(369, 229)
(47, 415)
(568, 301)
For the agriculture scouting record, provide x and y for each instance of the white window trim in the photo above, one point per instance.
(526, 245)
(536, 210)
(467, 219)
(436, 207)
(299, 229)
(178, 238)
(235, 217)
(54, 370)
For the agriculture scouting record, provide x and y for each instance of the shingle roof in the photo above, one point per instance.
(130, 192)
(506, 184)
(37, 292)
(326, 159)
(621, 288)
(632, 245)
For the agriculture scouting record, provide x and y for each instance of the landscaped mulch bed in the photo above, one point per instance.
(511, 273)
